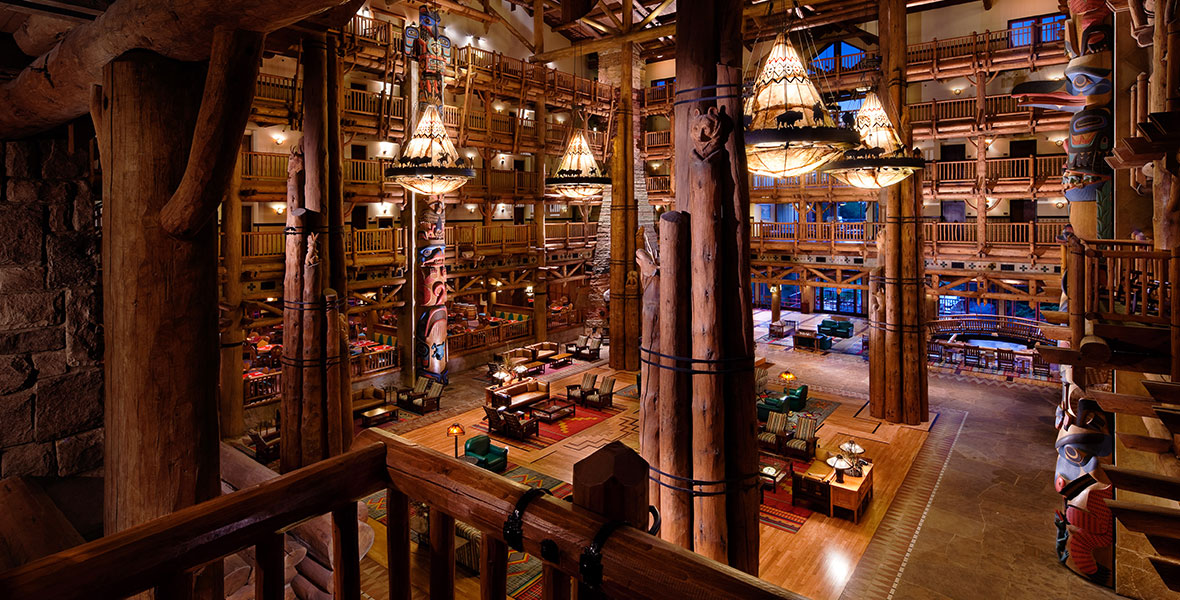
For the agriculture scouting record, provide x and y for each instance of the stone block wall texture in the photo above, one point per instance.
(51, 405)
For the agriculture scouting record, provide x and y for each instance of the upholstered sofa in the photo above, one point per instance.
(370, 397)
(489, 456)
(519, 395)
(794, 399)
(516, 356)
(544, 351)
(836, 328)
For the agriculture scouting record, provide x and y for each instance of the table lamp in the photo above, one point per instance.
(854, 449)
(839, 463)
(455, 431)
(787, 377)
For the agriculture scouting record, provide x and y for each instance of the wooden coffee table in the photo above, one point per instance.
(561, 360)
(769, 476)
(552, 410)
(534, 368)
(381, 414)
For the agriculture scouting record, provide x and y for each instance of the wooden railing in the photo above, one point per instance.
(368, 28)
(263, 244)
(363, 171)
(571, 233)
(955, 170)
(987, 42)
(834, 66)
(373, 241)
(264, 165)
(275, 87)
(367, 363)
(262, 389)
(1027, 330)
(936, 233)
(1124, 280)
(362, 101)
(659, 184)
(482, 339)
(659, 94)
(257, 244)
(963, 108)
(657, 139)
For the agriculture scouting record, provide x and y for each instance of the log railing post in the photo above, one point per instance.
(612, 482)
(268, 579)
(442, 555)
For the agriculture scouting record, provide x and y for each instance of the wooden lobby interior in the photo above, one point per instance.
(542, 299)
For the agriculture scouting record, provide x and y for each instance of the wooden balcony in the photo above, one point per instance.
(570, 235)
(659, 185)
(363, 246)
(956, 118)
(1028, 177)
(657, 143)
(491, 239)
(1020, 239)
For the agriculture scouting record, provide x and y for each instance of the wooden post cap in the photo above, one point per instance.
(613, 482)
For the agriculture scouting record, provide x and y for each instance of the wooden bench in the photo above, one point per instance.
(379, 415)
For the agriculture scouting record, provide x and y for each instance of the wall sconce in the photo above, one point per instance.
(278, 139)
(279, 208)
(470, 154)
(383, 208)
(529, 290)
(990, 203)
(386, 148)
(1059, 141)
(561, 118)
(1059, 204)
(470, 208)
(655, 165)
(957, 91)
(498, 107)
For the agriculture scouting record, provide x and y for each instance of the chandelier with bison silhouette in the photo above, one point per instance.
(881, 160)
(578, 174)
(790, 132)
(429, 164)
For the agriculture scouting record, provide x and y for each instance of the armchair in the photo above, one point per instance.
(577, 392)
(836, 328)
(797, 398)
(775, 433)
(592, 351)
(519, 426)
(802, 445)
(489, 456)
(770, 406)
(495, 417)
(577, 346)
(603, 397)
(426, 402)
(405, 393)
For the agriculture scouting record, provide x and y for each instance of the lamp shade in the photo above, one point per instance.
(881, 160)
(839, 462)
(852, 447)
(429, 163)
(455, 430)
(578, 174)
(790, 131)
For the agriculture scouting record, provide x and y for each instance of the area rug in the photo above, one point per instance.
(785, 342)
(816, 408)
(777, 509)
(551, 433)
(630, 392)
(403, 415)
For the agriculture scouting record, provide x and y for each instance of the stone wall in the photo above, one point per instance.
(51, 410)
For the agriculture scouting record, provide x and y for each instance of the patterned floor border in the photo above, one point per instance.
(881, 567)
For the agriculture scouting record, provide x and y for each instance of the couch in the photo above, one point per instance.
(516, 356)
(836, 328)
(518, 395)
(544, 351)
(368, 398)
(487, 455)
(592, 351)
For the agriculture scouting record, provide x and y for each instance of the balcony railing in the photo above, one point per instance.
(659, 184)
(837, 232)
(963, 108)
(266, 244)
(659, 94)
(274, 87)
(570, 233)
(657, 139)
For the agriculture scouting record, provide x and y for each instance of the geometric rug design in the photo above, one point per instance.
(816, 408)
(777, 509)
(884, 559)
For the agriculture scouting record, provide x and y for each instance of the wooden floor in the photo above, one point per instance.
(816, 561)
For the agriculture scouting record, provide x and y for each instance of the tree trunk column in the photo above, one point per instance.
(231, 389)
(407, 321)
(624, 222)
(540, 285)
(160, 299)
(903, 374)
(776, 303)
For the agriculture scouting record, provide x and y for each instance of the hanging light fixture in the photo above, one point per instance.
(790, 131)
(578, 174)
(881, 160)
(429, 163)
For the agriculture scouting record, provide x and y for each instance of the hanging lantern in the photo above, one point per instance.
(790, 131)
(578, 175)
(881, 160)
(429, 163)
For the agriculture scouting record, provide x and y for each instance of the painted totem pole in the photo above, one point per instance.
(1086, 92)
(432, 51)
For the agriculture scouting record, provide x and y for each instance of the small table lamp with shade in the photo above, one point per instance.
(455, 431)
(788, 379)
(855, 450)
(840, 464)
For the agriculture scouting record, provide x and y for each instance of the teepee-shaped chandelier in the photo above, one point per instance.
(578, 174)
(881, 160)
(429, 163)
(790, 131)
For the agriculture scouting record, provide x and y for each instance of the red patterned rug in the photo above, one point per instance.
(550, 433)
(777, 509)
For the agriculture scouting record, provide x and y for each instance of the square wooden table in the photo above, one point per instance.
(552, 410)
(534, 368)
(854, 493)
(381, 414)
(561, 360)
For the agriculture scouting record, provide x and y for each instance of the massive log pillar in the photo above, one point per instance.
(159, 299)
(624, 222)
(407, 321)
(901, 374)
(337, 332)
(230, 392)
(540, 283)
(675, 387)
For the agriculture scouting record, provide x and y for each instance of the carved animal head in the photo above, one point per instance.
(709, 131)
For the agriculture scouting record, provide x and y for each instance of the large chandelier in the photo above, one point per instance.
(429, 163)
(578, 175)
(790, 132)
(881, 160)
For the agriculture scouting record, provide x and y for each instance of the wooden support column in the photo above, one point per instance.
(903, 376)
(776, 303)
(407, 322)
(675, 402)
(231, 396)
(161, 422)
(624, 220)
(337, 269)
(540, 283)
(981, 147)
(649, 374)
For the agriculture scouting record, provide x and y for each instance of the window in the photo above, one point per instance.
(846, 55)
(851, 211)
(1036, 30)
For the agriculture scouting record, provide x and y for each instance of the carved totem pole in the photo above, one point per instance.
(1086, 92)
(432, 51)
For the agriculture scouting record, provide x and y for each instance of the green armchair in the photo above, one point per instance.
(797, 398)
(836, 328)
(771, 405)
(490, 456)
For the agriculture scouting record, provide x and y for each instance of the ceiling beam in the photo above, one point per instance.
(72, 11)
(642, 35)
